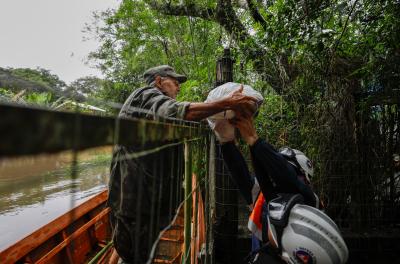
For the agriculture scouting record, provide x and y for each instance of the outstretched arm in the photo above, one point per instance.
(199, 111)
(271, 166)
(237, 100)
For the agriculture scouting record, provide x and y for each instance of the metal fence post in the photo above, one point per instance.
(188, 202)
(224, 71)
(210, 199)
(226, 196)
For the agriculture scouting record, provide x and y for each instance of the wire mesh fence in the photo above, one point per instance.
(216, 214)
(170, 211)
(184, 205)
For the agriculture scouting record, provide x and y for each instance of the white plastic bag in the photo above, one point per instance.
(223, 130)
(219, 122)
(226, 90)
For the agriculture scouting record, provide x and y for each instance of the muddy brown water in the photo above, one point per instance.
(35, 190)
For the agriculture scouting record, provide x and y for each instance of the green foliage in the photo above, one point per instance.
(135, 38)
(319, 65)
(39, 98)
(40, 87)
(308, 46)
(40, 76)
(114, 91)
(6, 93)
(193, 91)
(87, 86)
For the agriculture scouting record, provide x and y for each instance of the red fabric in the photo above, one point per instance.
(255, 219)
(199, 231)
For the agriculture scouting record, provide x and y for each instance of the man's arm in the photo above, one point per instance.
(275, 166)
(271, 165)
(199, 111)
(237, 100)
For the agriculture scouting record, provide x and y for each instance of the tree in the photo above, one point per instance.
(38, 80)
(324, 60)
(85, 86)
(135, 37)
(40, 76)
(26, 85)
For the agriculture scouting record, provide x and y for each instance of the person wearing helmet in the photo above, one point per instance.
(284, 215)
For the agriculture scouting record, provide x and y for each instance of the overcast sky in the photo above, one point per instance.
(48, 34)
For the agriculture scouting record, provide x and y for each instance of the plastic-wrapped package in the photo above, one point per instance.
(223, 130)
(226, 90)
(219, 122)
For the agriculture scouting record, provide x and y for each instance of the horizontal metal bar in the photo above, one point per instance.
(28, 130)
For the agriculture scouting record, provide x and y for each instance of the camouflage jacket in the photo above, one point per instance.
(137, 184)
(154, 103)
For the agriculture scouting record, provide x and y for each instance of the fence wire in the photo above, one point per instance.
(361, 192)
(159, 189)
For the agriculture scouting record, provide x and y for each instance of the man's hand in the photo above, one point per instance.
(237, 100)
(246, 127)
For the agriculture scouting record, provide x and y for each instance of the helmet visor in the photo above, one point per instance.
(287, 152)
(279, 208)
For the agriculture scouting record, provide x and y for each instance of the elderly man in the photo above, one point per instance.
(140, 185)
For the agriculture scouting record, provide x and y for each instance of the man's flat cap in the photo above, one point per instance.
(163, 71)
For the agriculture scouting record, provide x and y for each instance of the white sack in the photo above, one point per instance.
(226, 90)
(223, 129)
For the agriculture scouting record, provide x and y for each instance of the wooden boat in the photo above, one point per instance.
(169, 246)
(81, 235)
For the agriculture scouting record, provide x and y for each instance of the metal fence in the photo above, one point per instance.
(206, 217)
(177, 187)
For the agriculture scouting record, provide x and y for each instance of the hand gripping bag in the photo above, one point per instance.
(218, 122)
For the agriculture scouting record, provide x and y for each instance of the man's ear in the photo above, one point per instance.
(157, 81)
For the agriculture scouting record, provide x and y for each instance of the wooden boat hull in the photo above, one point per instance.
(169, 246)
(75, 237)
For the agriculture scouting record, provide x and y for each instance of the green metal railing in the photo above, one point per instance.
(30, 131)
(26, 130)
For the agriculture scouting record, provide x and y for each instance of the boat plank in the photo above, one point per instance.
(69, 253)
(37, 238)
(76, 234)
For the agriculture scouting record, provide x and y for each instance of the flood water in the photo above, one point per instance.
(35, 191)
